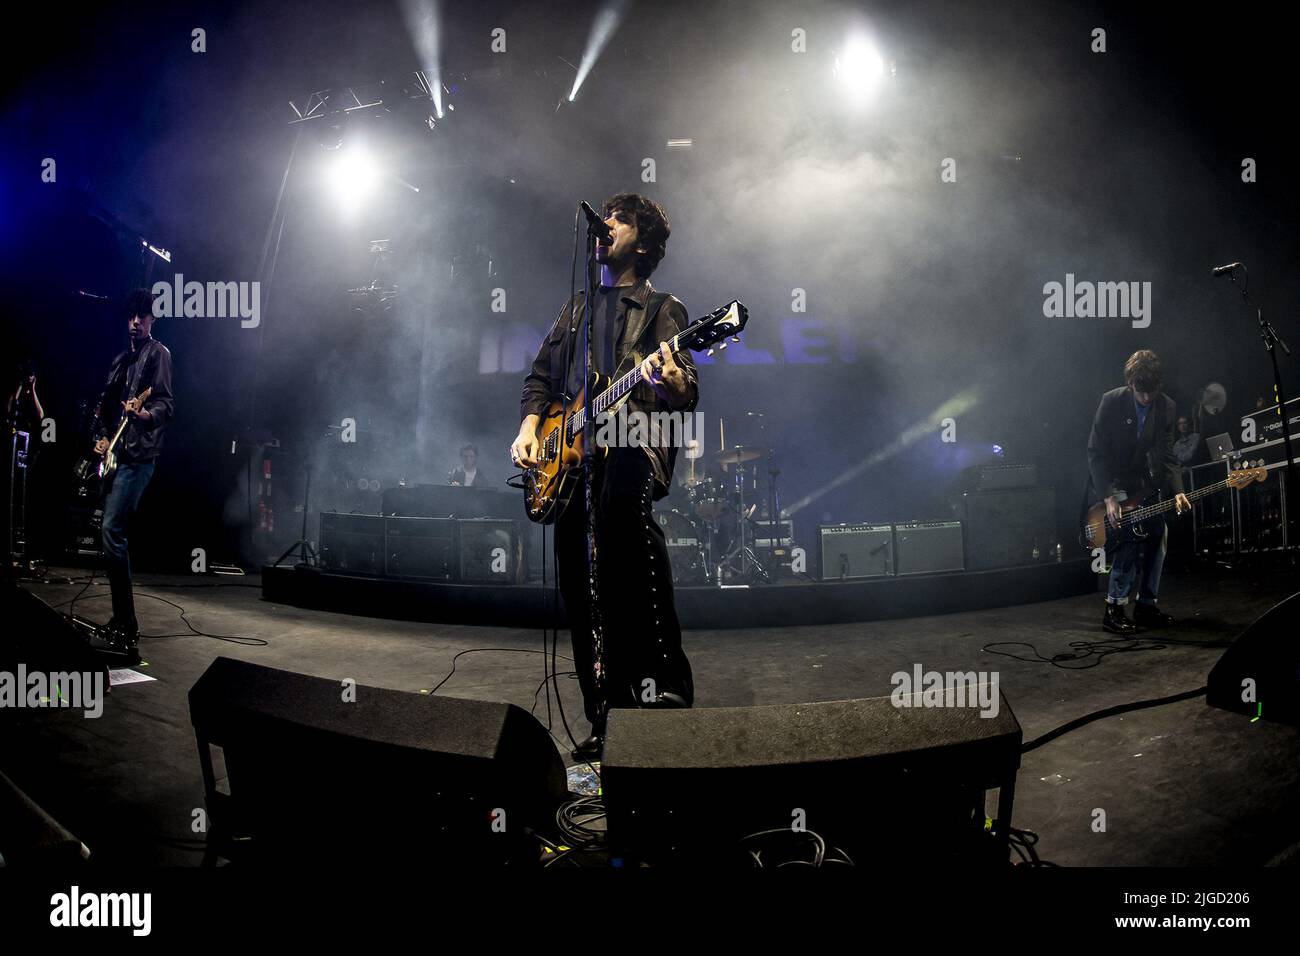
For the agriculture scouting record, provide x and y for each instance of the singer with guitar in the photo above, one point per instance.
(1130, 457)
(643, 663)
(130, 424)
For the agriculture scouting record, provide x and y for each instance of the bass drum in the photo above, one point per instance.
(685, 548)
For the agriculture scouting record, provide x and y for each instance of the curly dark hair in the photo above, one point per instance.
(652, 229)
(139, 302)
(1142, 371)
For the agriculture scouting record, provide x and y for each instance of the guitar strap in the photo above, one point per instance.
(137, 370)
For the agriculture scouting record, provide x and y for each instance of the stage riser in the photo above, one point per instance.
(697, 607)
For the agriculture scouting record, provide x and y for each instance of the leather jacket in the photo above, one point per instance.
(545, 380)
(142, 441)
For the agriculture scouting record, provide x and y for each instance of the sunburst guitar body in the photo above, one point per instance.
(549, 484)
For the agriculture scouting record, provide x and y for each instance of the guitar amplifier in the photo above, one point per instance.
(1002, 475)
(853, 551)
(927, 547)
(1008, 528)
(85, 530)
(423, 548)
(491, 551)
(352, 543)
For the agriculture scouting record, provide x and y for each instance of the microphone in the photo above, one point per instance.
(596, 224)
(1220, 270)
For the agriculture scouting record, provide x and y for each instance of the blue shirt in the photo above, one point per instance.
(1141, 414)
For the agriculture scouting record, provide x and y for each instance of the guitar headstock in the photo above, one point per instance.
(1246, 474)
(720, 325)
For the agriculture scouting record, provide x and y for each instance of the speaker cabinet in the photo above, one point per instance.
(352, 544)
(1006, 529)
(879, 781)
(1259, 675)
(421, 548)
(307, 769)
(491, 551)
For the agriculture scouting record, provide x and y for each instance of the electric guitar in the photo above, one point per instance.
(548, 485)
(1138, 508)
(108, 464)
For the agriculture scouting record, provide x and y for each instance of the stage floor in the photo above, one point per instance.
(1182, 784)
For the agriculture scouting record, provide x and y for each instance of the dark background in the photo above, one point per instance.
(1122, 166)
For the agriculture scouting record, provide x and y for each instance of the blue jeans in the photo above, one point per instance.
(1149, 554)
(128, 484)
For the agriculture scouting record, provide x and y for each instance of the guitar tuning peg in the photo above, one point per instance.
(735, 338)
(709, 352)
(723, 345)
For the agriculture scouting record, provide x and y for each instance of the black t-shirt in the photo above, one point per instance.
(608, 321)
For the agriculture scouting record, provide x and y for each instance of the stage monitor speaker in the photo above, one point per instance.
(853, 551)
(882, 782)
(1259, 674)
(308, 769)
(1009, 528)
(41, 638)
(927, 547)
(352, 544)
(30, 837)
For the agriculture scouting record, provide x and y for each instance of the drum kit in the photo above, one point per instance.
(711, 542)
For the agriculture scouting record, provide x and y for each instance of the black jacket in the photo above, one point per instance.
(1120, 459)
(545, 380)
(142, 441)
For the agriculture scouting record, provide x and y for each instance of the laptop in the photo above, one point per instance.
(1220, 446)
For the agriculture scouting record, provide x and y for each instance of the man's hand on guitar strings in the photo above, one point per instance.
(665, 376)
(523, 452)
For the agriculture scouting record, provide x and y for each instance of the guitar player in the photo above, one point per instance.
(1131, 448)
(643, 661)
(145, 365)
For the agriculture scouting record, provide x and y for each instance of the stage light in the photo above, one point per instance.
(602, 28)
(353, 175)
(425, 26)
(859, 66)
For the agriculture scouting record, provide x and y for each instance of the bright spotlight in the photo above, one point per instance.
(353, 175)
(859, 66)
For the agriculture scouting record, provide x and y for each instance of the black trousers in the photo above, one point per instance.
(643, 654)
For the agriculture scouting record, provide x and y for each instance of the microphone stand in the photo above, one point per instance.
(588, 470)
(1268, 335)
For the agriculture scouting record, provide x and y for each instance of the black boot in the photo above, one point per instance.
(1115, 621)
(1150, 616)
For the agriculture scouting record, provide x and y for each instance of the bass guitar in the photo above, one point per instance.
(1141, 507)
(549, 484)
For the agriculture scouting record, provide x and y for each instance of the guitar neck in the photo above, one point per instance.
(1150, 511)
(609, 396)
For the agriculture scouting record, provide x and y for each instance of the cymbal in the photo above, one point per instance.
(736, 454)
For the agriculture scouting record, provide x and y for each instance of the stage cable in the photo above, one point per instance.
(1109, 712)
